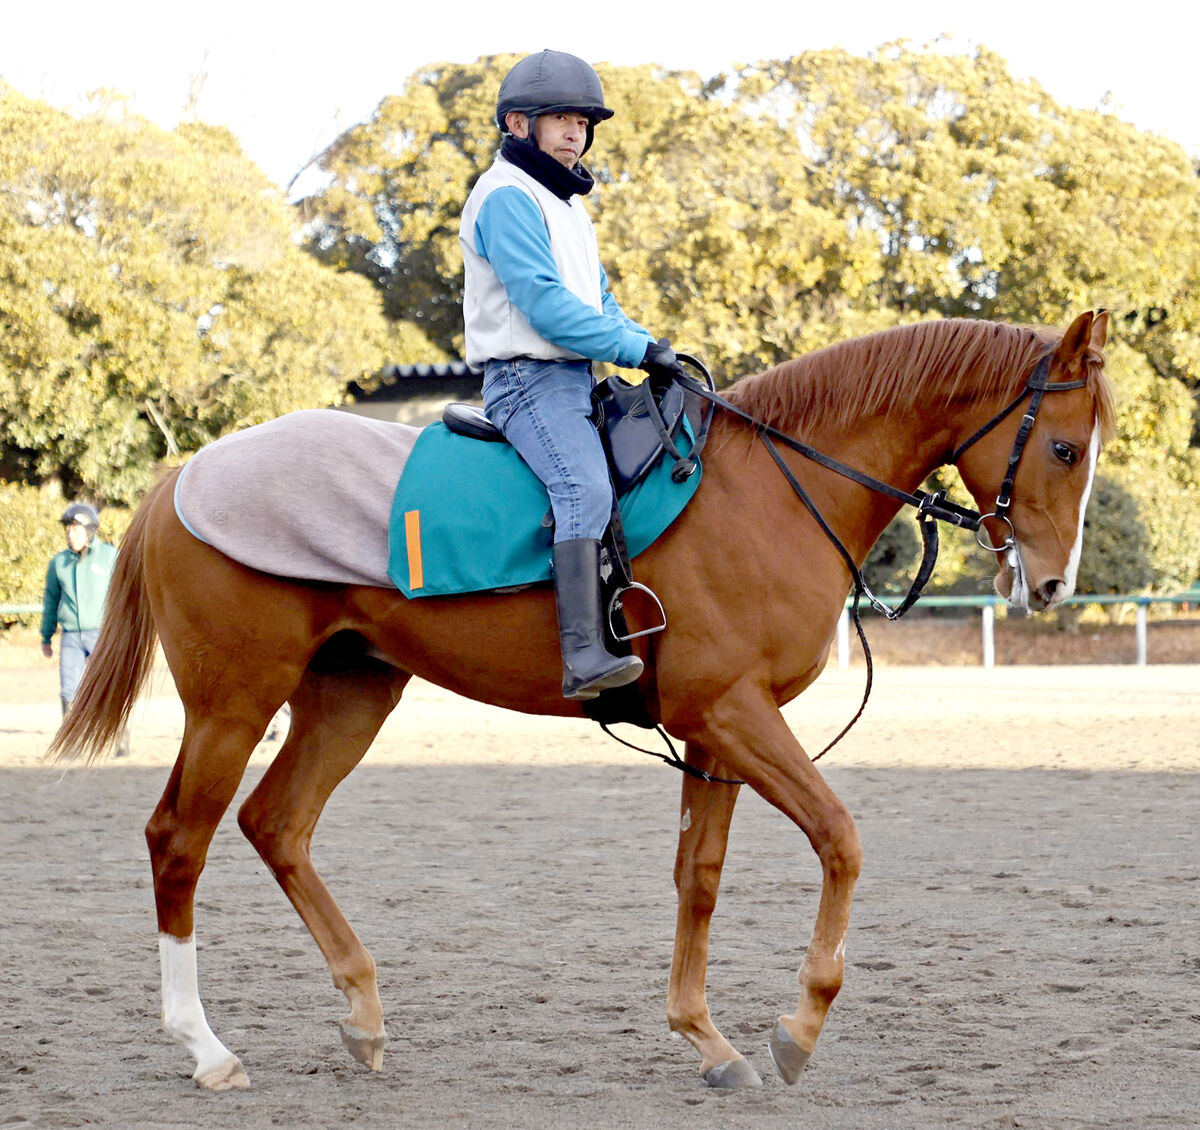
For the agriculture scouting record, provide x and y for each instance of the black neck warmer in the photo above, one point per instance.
(563, 182)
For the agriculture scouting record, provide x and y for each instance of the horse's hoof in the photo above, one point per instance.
(228, 1075)
(365, 1048)
(788, 1055)
(732, 1075)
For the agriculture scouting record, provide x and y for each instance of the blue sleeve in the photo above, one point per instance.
(511, 235)
(50, 601)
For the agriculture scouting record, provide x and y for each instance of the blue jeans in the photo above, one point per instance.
(544, 409)
(73, 652)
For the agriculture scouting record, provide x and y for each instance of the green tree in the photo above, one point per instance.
(395, 186)
(152, 297)
(986, 196)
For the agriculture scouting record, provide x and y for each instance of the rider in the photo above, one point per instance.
(538, 311)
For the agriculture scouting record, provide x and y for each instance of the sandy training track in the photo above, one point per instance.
(1024, 950)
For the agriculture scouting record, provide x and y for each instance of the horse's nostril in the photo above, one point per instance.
(1050, 588)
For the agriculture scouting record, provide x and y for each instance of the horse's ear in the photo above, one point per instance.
(1076, 340)
(1100, 329)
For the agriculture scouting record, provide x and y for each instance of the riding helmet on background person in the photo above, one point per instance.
(81, 514)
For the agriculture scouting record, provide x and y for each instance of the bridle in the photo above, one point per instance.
(1036, 387)
(931, 506)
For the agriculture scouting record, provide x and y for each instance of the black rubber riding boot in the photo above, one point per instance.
(588, 667)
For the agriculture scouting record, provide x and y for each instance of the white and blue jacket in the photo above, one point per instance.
(534, 284)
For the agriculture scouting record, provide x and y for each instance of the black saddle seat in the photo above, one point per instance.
(468, 420)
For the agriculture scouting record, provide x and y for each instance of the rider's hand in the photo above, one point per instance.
(48, 650)
(661, 363)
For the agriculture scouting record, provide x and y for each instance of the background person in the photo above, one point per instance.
(76, 588)
(537, 311)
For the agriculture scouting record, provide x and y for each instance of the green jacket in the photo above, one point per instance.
(75, 589)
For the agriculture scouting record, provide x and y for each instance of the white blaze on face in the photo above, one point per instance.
(183, 1016)
(1019, 596)
(1073, 561)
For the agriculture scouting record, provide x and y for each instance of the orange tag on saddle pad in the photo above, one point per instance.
(412, 537)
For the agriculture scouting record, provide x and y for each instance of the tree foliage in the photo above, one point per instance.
(152, 297)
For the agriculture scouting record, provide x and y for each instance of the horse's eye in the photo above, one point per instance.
(1066, 453)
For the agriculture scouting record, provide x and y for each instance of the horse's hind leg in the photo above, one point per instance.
(336, 713)
(178, 834)
(705, 812)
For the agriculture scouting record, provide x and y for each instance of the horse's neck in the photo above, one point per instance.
(899, 451)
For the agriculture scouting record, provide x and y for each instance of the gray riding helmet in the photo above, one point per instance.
(80, 513)
(549, 82)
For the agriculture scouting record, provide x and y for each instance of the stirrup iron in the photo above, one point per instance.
(614, 605)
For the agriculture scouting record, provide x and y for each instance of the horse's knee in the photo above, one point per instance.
(698, 881)
(838, 845)
(278, 843)
(173, 859)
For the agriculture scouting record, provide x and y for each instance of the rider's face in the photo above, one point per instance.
(562, 134)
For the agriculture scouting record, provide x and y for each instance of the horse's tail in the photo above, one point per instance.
(124, 657)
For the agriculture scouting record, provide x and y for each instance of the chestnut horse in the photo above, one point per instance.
(752, 588)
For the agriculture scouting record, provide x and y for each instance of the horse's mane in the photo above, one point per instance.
(930, 364)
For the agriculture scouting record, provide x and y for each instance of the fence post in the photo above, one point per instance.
(989, 635)
(843, 639)
(1140, 632)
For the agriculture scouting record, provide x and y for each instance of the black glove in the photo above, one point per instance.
(661, 363)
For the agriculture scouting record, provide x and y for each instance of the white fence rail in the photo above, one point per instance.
(987, 609)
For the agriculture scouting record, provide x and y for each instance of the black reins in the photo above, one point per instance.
(931, 506)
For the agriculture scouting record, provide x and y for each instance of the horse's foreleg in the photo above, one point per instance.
(757, 746)
(178, 835)
(335, 717)
(705, 812)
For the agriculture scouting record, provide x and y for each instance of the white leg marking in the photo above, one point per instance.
(183, 1016)
(1077, 548)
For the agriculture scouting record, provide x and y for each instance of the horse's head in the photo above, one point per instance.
(1038, 537)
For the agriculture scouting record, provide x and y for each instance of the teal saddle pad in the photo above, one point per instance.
(468, 515)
